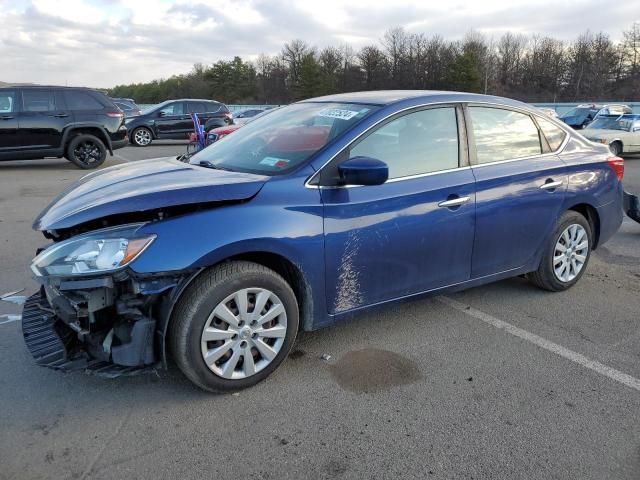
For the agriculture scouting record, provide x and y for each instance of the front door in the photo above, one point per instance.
(411, 234)
(519, 190)
(173, 121)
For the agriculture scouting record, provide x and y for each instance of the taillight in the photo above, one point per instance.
(617, 165)
(115, 114)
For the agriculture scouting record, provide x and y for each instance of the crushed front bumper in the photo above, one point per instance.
(52, 344)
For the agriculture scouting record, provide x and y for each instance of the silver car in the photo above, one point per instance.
(621, 133)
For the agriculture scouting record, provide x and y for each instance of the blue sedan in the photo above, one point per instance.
(321, 209)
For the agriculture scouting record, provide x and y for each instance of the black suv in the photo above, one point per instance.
(172, 120)
(79, 124)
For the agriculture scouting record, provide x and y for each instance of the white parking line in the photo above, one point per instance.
(575, 357)
(11, 318)
(120, 157)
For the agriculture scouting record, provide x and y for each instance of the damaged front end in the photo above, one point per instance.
(94, 313)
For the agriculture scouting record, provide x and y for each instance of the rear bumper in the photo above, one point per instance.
(631, 206)
(120, 143)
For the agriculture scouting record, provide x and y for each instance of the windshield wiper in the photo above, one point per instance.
(208, 164)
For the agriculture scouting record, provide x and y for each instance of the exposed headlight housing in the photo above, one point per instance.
(98, 252)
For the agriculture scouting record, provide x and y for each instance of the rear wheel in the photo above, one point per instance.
(566, 255)
(141, 137)
(233, 326)
(616, 148)
(86, 151)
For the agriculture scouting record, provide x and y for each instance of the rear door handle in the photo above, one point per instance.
(60, 115)
(551, 185)
(6, 117)
(454, 202)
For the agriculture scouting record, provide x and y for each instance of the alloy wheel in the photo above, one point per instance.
(570, 253)
(87, 152)
(142, 137)
(244, 333)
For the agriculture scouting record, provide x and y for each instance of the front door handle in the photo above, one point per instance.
(6, 117)
(551, 185)
(60, 115)
(454, 202)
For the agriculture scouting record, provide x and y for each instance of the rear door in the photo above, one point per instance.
(520, 188)
(414, 232)
(9, 140)
(42, 119)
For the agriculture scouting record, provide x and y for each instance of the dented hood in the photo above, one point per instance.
(142, 186)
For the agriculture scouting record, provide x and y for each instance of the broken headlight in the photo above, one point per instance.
(96, 252)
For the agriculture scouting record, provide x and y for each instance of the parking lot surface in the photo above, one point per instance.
(500, 381)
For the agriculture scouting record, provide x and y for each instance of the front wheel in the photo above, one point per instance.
(86, 151)
(566, 255)
(141, 137)
(233, 326)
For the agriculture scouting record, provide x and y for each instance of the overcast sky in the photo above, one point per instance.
(102, 43)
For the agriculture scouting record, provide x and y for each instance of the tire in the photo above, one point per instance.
(86, 151)
(200, 307)
(616, 148)
(571, 230)
(141, 137)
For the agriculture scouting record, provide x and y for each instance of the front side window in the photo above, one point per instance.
(554, 134)
(284, 139)
(176, 108)
(416, 143)
(38, 100)
(7, 101)
(502, 134)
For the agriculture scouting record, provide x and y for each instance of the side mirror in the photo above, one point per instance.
(162, 114)
(363, 171)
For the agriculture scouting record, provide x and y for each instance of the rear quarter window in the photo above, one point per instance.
(554, 134)
(78, 100)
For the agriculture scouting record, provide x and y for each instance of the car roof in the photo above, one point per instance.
(11, 87)
(389, 97)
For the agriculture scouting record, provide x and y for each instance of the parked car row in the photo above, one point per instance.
(582, 115)
(83, 125)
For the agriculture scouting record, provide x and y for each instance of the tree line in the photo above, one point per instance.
(528, 68)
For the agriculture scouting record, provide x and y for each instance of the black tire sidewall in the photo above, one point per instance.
(83, 138)
(569, 218)
(211, 298)
(133, 137)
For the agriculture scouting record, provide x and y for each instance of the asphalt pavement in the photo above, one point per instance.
(502, 381)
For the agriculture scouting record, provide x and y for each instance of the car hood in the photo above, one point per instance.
(143, 186)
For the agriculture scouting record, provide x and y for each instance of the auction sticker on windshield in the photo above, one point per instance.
(340, 113)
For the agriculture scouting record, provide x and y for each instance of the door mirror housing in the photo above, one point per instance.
(363, 171)
(162, 114)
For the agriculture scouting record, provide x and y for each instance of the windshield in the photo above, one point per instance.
(276, 143)
(605, 123)
(576, 112)
(622, 122)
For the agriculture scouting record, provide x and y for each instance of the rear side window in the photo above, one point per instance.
(7, 101)
(419, 142)
(196, 107)
(211, 107)
(503, 134)
(78, 100)
(38, 101)
(123, 106)
(554, 134)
